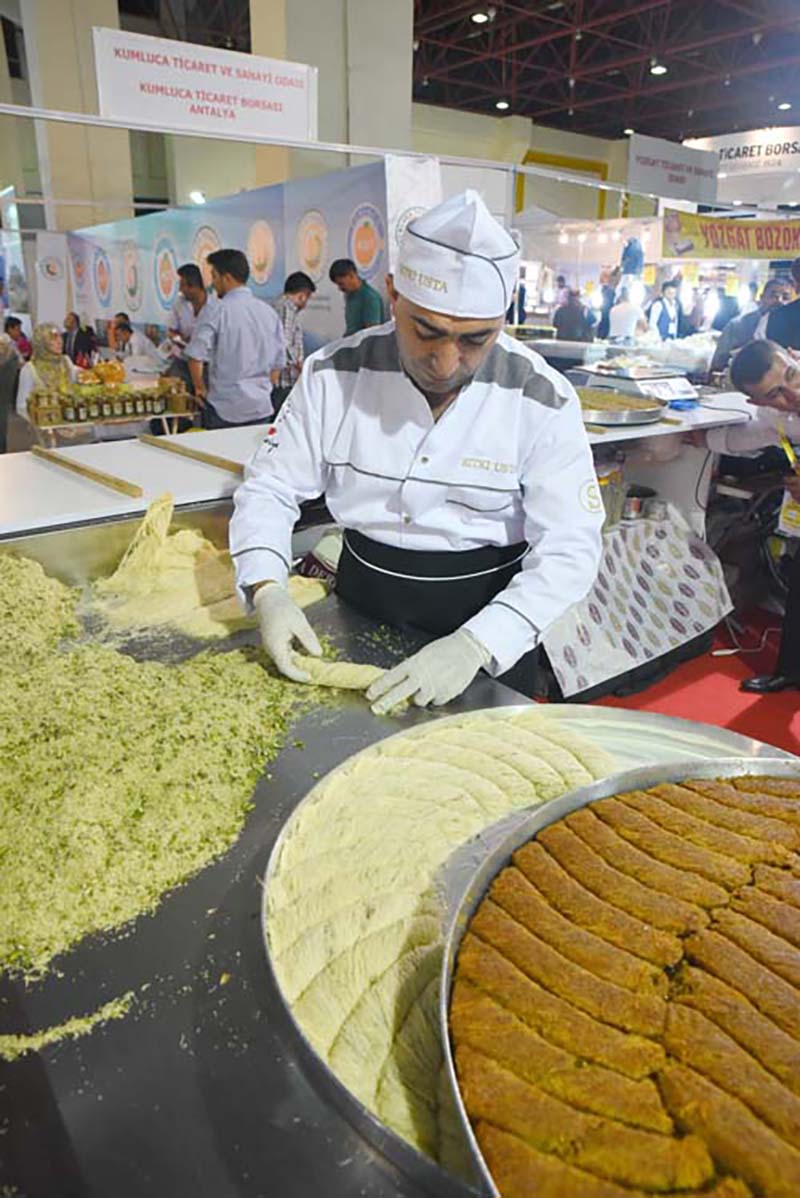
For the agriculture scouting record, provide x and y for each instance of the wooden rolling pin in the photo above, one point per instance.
(197, 455)
(95, 476)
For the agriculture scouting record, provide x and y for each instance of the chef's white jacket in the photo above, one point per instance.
(507, 462)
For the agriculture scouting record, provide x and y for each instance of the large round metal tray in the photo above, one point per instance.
(626, 416)
(472, 869)
(632, 737)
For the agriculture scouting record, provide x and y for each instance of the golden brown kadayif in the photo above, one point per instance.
(626, 1006)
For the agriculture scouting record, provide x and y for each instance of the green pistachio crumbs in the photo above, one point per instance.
(119, 779)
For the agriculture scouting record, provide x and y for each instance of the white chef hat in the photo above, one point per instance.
(457, 259)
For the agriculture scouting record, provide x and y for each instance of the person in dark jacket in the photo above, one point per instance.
(784, 324)
(9, 369)
(753, 326)
(79, 340)
(572, 320)
(608, 294)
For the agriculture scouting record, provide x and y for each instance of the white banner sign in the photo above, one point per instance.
(413, 185)
(663, 168)
(51, 277)
(152, 80)
(756, 151)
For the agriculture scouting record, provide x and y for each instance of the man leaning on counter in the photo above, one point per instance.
(454, 458)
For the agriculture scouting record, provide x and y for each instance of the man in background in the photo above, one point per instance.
(363, 306)
(573, 321)
(665, 313)
(297, 291)
(119, 318)
(191, 302)
(23, 347)
(79, 341)
(784, 324)
(133, 344)
(241, 339)
(770, 376)
(752, 326)
(625, 319)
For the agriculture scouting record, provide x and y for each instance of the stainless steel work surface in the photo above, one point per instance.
(203, 1087)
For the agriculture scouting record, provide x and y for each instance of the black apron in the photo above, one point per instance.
(430, 592)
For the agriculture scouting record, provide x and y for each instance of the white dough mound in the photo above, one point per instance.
(353, 918)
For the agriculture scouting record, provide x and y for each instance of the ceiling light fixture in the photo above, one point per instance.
(629, 132)
(737, 203)
(658, 68)
(197, 197)
(502, 105)
(784, 106)
(479, 18)
(563, 239)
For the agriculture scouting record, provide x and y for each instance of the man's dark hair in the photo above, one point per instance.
(191, 275)
(299, 281)
(340, 268)
(751, 364)
(12, 322)
(230, 262)
(670, 283)
(124, 327)
(122, 316)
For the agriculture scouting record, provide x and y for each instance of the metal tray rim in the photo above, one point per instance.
(508, 835)
(625, 416)
(402, 1154)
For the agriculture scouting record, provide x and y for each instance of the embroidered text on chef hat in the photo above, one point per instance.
(458, 260)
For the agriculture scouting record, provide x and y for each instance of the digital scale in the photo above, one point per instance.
(642, 381)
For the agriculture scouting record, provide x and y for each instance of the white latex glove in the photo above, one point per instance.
(435, 675)
(281, 621)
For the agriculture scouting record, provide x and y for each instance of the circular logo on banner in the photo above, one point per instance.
(165, 268)
(261, 251)
(404, 220)
(101, 273)
(51, 268)
(206, 241)
(312, 243)
(366, 238)
(132, 278)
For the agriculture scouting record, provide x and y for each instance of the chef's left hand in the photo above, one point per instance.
(435, 675)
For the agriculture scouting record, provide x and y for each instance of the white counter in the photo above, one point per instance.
(35, 494)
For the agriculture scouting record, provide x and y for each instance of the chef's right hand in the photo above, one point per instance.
(281, 621)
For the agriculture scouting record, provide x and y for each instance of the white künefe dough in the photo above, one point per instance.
(353, 915)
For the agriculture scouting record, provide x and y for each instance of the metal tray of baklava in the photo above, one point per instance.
(465, 885)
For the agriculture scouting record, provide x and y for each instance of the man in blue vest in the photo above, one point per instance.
(665, 313)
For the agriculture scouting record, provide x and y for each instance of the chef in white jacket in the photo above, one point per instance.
(454, 458)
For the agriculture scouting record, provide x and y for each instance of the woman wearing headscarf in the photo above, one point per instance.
(9, 367)
(49, 367)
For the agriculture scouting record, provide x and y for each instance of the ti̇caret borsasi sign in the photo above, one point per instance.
(151, 80)
(756, 151)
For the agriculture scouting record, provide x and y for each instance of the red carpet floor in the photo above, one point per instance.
(707, 690)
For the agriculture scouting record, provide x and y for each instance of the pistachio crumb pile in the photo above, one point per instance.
(118, 779)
